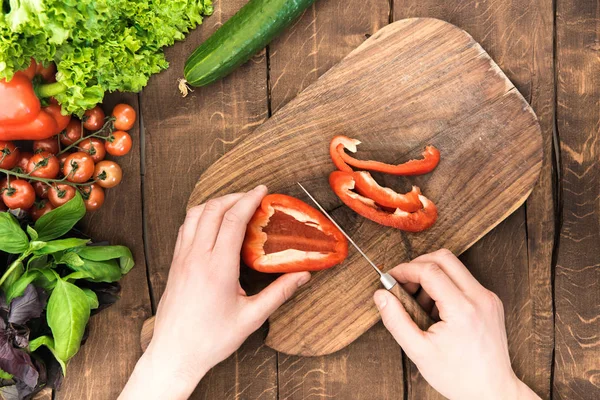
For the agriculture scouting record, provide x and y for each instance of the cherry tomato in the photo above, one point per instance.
(41, 189)
(44, 165)
(9, 154)
(79, 167)
(71, 133)
(94, 147)
(108, 174)
(93, 119)
(124, 117)
(19, 194)
(93, 197)
(61, 159)
(48, 73)
(50, 145)
(24, 160)
(60, 193)
(40, 208)
(118, 143)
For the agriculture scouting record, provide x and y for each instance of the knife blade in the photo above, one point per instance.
(421, 318)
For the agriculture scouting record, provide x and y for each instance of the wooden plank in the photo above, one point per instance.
(372, 366)
(183, 137)
(577, 278)
(103, 365)
(518, 36)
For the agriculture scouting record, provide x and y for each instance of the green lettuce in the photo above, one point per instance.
(97, 45)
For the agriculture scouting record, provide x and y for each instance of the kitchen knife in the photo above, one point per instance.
(412, 307)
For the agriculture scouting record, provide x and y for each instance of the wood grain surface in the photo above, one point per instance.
(518, 36)
(415, 82)
(577, 358)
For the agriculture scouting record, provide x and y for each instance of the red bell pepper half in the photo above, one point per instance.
(343, 183)
(287, 235)
(344, 162)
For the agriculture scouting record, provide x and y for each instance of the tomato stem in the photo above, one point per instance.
(47, 181)
(107, 124)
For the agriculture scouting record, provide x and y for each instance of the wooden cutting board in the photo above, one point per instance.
(415, 82)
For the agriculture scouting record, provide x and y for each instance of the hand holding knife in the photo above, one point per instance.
(413, 308)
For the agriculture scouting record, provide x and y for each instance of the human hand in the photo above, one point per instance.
(204, 314)
(465, 354)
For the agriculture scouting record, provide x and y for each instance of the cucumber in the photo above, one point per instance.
(241, 37)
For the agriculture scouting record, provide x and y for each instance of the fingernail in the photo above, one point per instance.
(260, 188)
(380, 300)
(303, 279)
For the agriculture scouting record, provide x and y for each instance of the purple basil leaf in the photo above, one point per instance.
(17, 362)
(26, 307)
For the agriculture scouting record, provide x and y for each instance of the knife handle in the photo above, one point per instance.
(421, 318)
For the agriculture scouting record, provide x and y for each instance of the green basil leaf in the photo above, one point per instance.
(49, 343)
(60, 245)
(67, 314)
(73, 276)
(5, 375)
(18, 287)
(92, 298)
(32, 233)
(36, 245)
(103, 253)
(60, 220)
(12, 238)
(97, 271)
(11, 279)
(46, 279)
(37, 261)
(71, 259)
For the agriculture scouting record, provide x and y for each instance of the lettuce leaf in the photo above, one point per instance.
(97, 45)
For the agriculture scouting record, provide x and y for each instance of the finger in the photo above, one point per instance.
(400, 324)
(435, 282)
(188, 229)
(236, 219)
(178, 242)
(273, 296)
(209, 223)
(453, 267)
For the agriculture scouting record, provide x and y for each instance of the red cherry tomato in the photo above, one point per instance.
(61, 159)
(44, 165)
(79, 167)
(108, 174)
(95, 148)
(24, 160)
(118, 143)
(93, 119)
(41, 189)
(71, 133)
(9, 155)
(93, 197)
(19, 194)
(50, 145)
(40, 208)
(60, 193)
(124, 116)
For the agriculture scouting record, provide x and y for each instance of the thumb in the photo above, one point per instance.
(273, 296)
(396, 320)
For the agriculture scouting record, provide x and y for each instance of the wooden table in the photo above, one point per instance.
(550, 50)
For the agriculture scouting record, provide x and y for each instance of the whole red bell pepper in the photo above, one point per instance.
(22, 116)
(344, 162)
(287, 235)
(343, 183)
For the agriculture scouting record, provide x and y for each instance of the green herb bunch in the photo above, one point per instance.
(48, 290)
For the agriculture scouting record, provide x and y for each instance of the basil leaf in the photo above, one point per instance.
(32, 233)
(92, 298)
(36, 262)
(5, 375)
(60, 220)
(73, 276)
(60, 245)
(103, 253)
(71, 259)
(18, 287)
(46, 279)
(10, 280)
(49, 343)
(36, 245)
(12, 238)
(97, 271)
(67, 314)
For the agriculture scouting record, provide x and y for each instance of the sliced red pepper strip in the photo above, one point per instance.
(287, 235)
(344, 162)
(343, 184)
(384, 196)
